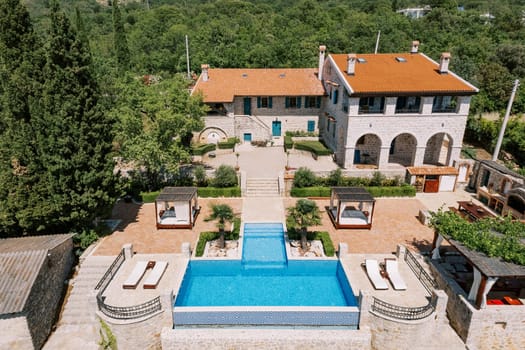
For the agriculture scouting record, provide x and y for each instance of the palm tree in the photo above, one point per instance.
(223, 213)
(305, 213)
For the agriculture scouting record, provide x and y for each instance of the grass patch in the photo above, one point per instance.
(149, 197)
(315, 147)
(213, 235)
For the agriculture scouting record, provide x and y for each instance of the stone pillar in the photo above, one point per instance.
(419, 156)
(349, 157)
(343, 250)
(383, 156)
(186, 249)
(365, 299)
(441, 305)
(454, 155)
(128, 251)
(401, 251)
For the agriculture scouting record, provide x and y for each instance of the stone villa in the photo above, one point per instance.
(373, 109)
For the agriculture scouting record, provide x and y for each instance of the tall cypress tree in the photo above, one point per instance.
(20, 82)
(74, 137)
(120, 41)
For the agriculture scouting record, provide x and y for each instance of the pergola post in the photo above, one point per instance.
(484, 288)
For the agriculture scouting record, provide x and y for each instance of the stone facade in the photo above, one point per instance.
(495, 327)
(416, 135)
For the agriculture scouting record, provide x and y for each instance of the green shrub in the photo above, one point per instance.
(399, 191)
(317, 191)
(288, 143)
(107, 338)
(230, 144)
(85, 238)
(210, 236)
(335, 178)
(200, 176)
(199, 150)
(304, 177)
(225, 176)
(300, 133)
(149, 197)
(377, 179)
(315, 147)
(214, 192)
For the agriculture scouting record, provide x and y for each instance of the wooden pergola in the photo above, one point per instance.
(351, 207)
(177, 207)
(487, 270)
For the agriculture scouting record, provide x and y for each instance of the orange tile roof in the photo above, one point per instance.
(383, 74)
(224, 84)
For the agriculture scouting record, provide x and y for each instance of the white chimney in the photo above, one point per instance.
(443, 62)
(350, 66)
(415, 46)
(322, 50)
(204, 73)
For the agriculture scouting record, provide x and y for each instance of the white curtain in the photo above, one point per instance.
(343, 207)
(435, 252)
(475, 285)
(488, 286)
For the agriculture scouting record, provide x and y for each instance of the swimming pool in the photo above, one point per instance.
(264, 287)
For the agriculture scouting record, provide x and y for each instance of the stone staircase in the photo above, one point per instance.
(260, 187)
(78, 322)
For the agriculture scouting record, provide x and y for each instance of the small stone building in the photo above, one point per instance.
(500, 188)
(32, 274)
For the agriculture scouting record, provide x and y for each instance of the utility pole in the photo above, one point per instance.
(377, 41)
(505, 120)
(188, 58)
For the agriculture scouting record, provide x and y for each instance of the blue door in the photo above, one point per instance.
(357, 156)
(247, 106)
(247, 137)
(276, 128)
(311, 126)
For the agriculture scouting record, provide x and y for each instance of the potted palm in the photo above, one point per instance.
(305, 213)
(223, 213)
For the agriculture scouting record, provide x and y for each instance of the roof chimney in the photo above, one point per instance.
(350, 66)
(443, 62)
(322, 50)
(204, 73)
(415, 46)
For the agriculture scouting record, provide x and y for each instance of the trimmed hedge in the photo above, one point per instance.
(288, 143)
(210, 236)
(149, 197)
(323, 236)
(214, 192)
(230, 144)
(315, 147)
(199, 150)
(316, 191)
(320, 191)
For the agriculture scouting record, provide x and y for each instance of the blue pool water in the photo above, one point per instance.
(264, 277)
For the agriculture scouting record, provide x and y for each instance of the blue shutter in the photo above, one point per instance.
(299, 102)
(258, 101)
(336, 93)
(270, 105)
(287, 102)
(318, 102)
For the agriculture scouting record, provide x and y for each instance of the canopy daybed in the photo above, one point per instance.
(351, 207)
(176, 207)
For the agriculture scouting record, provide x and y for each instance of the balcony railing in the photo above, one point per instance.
(402, 312)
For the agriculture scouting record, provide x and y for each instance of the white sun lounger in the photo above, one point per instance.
(393, 274)
(155, 275)
(134, 278)
(372, 270)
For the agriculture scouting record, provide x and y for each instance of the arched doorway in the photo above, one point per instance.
(212, 135)
(437, 150)
(367, 150)
(403, 149)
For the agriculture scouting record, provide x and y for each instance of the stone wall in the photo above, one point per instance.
(145, 333)
(15, 333)
(279, 338)
(43, 303)
(495, 327)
